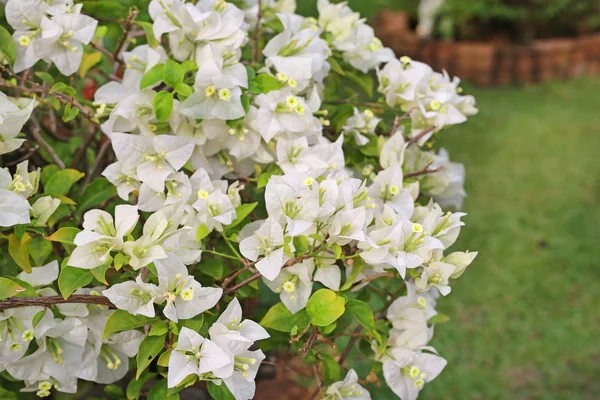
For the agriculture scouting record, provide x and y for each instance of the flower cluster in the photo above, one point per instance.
(241, 150)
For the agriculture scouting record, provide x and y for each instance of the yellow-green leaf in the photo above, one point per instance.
(9, 288)
(19, 251)
(72, 278)
(64, 235)
(8, 49)
(121, 320)
(61, 182)
(325, 307)
(149, 349)
(88, 61)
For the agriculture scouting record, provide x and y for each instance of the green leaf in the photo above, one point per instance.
(39, 250)
(242, 212)
(19, 251)
(193, 323)
(159, 328)
(301, 244)
(212, 267)
(183, 90)
(9, 288)
(439, 318)
(267, 83)
(357, 267)
(70, 113)
(121, 320)
(134, 388)
(47, 173)
(163, 106)
(337, 250)
(263, 179)
(362, 312)
(8, 48)
(363, 80)
(72, 278)
(155, 75)
(219, 392)
(150, 38)
(96, 193)
(189, 66)
(6, 394)
(99, 272)
(325, 307)
(202, 232)
(114, 391)
(331, 369)
(160, 391)
(149, 349)
(88, 61)
(61, 182)
(173, 73)
(279, 318)
(46, 77)
(28, 290)
(163, 360)
(335, 66)
(61, 87)
(251, 73)
(64, 235)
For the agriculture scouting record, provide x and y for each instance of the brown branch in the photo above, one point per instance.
(257, 275)
(350, 344)
(99, 158)
(255, 34)
(309, 343)
(424, 171)
(358, 103)
(124, 43)
(372, 278)
(421, 134)
(35, 132)
(297, 338)
(47, 301)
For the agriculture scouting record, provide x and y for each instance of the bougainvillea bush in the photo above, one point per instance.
(191, 189)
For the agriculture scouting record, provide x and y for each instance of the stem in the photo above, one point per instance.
(415, 139)
(350, 344)
(216, 253)
(255, 38)
(372, 278)
(96, 166)
(46, 301)
(35, 132)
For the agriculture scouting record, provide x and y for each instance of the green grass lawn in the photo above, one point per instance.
(526, 315)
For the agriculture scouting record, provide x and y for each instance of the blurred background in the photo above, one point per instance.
(525, 317)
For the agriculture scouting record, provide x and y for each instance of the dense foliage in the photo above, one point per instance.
(176, 171)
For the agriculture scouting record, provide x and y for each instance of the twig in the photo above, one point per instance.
(350, 344)
(297, 338)
(256, 37)
(124, 43)
(424, 171)
(99, 158)
(257, 275)
(350, 101)
(372, 278)
(102, 50)
(46, 301)
(309, 343)
(421, 134)
(35, 132)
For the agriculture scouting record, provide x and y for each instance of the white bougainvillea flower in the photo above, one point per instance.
(447, 186)
(244, 367)
(406, 371)
(107, 361)
(338, 19)
(349, 225)
(42, 209)
(294, 285)
(12, 119)
(348, 389)
(139, 61)
(361, 125)
(152, 158)
(443, 226)
(280, 111)
(393, 150)
(185, 297)
(328, 273)
(232, 320)
(387, 189)
(14, 209)
(125, 182)
(58, 357)
(194, 355)
(135, 297)
(267, 242)
(41, 276)
(436, 274)
(461, 260)
(400, 81)
(14, 190)
(101, 235)
(298, 55)
(412, 311)
(214, 102)
(363, 50)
